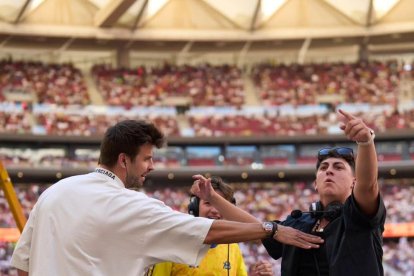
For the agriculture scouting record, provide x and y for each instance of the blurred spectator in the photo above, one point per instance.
(204, 84)
(266, 201)
(50, 83)
(367, 82)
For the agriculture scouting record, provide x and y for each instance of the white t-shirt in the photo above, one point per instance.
(92, 225)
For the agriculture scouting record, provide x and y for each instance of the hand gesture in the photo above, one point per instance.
(291, 236)
(354, 128)
(202, 187)
(262, 268)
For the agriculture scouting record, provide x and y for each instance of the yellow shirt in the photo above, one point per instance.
(211, 265)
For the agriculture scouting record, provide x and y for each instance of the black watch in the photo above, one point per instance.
(270, 228)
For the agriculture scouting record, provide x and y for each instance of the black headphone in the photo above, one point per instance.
(194, 209)
(194, 205)
(331, 212)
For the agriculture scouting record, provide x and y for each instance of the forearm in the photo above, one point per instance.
(230, 211)
(366, 189)
(223, 231)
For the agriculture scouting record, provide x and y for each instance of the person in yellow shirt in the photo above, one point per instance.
(222, 259)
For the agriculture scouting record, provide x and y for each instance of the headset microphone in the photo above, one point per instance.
(331, 212)
(298, 213)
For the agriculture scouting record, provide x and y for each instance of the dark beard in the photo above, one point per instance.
(132, 183)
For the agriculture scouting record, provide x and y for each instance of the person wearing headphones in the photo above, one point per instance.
(349, 216)
(221, 259)
(96, 224)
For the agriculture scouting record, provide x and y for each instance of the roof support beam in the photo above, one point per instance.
(139, 16)
(21, 12)
(4, 42)
(243, 52)
(109, 15)
(256, 13)
(303, 50)
(66, 45)
(369, 13)
(332, 7)
(228, 19)
(186, 48)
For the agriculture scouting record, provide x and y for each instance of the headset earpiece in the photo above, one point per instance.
(314, 208)
(194, 205)
(331, 212)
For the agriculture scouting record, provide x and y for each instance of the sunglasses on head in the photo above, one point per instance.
(338, 151)
(341, 152)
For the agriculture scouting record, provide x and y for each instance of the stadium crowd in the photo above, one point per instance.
(52, 88)
(368, 82)
(47, 99)
(204, 85)
(83, 121)
(266, 201)
(61, 84)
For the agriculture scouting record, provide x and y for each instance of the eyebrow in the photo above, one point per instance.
(334, 163)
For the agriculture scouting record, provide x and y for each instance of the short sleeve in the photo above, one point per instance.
(21, 254)
(161, 234)
(355, 218)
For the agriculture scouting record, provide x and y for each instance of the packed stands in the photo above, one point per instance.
(362, 82)
(266, 201)
(216, 95)
(39, 82)
(203, 85)
(294, 100)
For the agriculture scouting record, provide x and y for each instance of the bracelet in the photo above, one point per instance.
(370, 140)
(275, 228)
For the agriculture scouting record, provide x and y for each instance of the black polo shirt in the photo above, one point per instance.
(353, 242)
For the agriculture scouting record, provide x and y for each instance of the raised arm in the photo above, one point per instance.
(287, 235)
(366, 190)
(203, 189)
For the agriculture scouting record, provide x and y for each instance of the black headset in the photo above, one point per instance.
(194, 209)
(194, 205)
(330, 212)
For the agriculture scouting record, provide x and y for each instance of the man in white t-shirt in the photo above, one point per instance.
(94, 224)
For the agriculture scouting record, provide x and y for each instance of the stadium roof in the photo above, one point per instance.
(207, 23)
(199, 19)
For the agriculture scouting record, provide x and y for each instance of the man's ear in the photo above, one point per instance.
(122, 159)
(353, 183)
(315, 186)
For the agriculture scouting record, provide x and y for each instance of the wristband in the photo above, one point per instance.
(370, 140)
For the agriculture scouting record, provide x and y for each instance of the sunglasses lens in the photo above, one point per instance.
(345, 152)
(323, 152)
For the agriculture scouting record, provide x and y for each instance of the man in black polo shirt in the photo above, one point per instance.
(350, 215)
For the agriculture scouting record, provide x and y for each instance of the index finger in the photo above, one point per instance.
(199, 177)
(311, 238)
(346, 114)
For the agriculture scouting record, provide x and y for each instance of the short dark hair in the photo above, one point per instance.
(344, 153)
(127, 137)
(218, 184)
